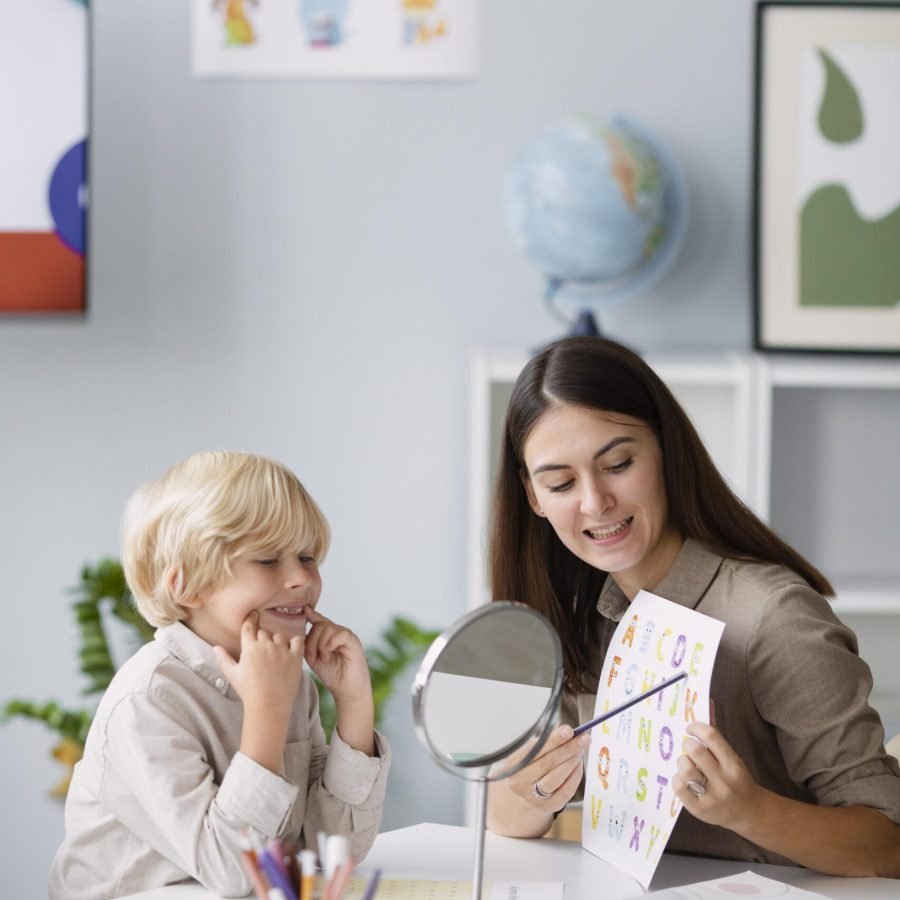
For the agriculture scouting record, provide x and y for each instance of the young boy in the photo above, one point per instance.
(212, 728)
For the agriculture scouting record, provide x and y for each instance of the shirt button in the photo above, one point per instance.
(220, 683)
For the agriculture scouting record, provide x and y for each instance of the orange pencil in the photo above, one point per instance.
(248, 858)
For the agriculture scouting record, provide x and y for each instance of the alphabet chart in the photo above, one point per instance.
(630, 808)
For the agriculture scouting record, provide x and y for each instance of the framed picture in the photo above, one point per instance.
(43, 158)
(827, 177)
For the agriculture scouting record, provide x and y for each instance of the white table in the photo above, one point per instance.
(445, 852)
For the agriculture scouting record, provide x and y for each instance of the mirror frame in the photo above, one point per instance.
(478, 769)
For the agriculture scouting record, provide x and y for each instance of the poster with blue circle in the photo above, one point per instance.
(43, 162)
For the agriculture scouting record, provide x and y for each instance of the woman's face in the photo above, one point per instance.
(597, 478)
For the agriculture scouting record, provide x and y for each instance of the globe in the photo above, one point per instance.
(601, 209)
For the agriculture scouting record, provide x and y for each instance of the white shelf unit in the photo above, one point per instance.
(812, 444)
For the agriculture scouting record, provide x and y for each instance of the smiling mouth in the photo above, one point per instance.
(600, 534)
(289, 610)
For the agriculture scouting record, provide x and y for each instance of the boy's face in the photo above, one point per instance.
(279, 587)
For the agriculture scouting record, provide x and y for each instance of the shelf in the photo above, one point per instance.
(866, 600)
(833, 372)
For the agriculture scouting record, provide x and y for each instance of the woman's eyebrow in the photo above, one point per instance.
(554, 467)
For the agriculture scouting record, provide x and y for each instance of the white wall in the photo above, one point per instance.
(301, 268)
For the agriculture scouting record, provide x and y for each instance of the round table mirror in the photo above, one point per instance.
(488, 688)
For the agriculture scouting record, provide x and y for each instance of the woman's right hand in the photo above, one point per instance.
(556, 772)
(523, 805)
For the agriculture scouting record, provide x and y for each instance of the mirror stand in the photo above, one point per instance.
(480, 828)
(488, 686)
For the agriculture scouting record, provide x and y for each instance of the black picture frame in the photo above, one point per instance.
(826, 193)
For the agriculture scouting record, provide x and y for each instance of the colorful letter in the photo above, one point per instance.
(635, 841)
(628, 637)
(616, 824)
(662, 781)
(674, 708)
(695, 658)
(654, 834)
(641, 792)
(646, 635)
(630, 677)
(689, 701)
(601, 771)
(645, 732)
(596, 806)
(666, 743)
(678, 652)
(614, 670)
(659, 651)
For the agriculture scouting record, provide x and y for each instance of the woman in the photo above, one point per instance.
(604, 488)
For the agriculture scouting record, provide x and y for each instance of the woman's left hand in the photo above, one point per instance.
(713, 783)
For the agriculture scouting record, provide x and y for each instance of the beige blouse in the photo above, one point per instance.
(790, 692)
(163, 794)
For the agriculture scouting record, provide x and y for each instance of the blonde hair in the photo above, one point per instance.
(182, 531)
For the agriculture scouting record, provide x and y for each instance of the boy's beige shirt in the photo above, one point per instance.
(162, 793)
(790, 692)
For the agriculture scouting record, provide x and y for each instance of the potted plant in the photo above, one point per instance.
(103, 591)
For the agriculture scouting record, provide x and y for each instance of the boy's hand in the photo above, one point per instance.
(336, 655)
(267, 679)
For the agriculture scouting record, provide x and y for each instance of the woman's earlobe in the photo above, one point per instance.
(529, 494)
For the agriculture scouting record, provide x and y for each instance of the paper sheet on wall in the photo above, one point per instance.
(630, 808)
(336, 38)
(427, 889)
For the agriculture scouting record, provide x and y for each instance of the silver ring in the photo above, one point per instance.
(697, 788)
(539, 792)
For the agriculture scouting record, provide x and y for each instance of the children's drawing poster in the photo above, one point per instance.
(43, 154)
(630, 808)
(335, 38)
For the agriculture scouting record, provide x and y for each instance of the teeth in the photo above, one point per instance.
(289, 610)
(609, 532)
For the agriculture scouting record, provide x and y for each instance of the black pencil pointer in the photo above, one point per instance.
(623, 706)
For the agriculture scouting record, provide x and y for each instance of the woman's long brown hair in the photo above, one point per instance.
(528, 562)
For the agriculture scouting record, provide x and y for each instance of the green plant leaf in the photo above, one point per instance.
(73, 724)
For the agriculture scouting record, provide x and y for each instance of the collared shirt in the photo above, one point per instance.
(163, 793)
(790, 692)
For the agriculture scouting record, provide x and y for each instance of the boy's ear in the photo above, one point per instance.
(174, 584)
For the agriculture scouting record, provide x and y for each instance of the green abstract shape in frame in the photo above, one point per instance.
(840, 113)
(844, 259)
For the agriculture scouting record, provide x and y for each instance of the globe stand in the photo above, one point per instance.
(584, 324)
